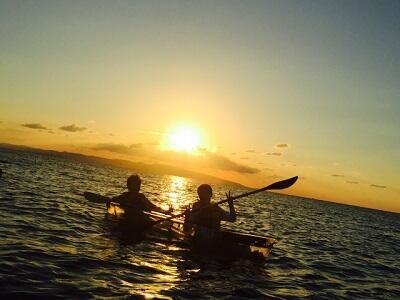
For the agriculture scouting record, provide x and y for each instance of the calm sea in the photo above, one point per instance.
(54, 244)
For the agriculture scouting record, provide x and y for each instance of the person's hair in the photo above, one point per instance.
(133, 180)
(204, 191)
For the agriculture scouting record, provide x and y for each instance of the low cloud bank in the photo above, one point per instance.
(204, 160)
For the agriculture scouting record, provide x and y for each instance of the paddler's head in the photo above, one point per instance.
(205, 192)
(134, 183)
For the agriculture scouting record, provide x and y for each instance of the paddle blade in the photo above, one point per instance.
(284, 184)
(96, 198)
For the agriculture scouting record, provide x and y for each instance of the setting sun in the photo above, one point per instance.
(185, 139)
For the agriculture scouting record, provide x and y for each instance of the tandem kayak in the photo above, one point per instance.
(224, 243)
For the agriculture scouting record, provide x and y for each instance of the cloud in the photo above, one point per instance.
(72, 128)
(34, 126)
(251, 151)
(337, 175)
(205, 160)
(244, 157)
(378, 186)
(274, 153)
(282, 146)
(352, 182)
(224, 163)
(91, 122)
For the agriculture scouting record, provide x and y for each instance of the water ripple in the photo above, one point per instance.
(54, 244)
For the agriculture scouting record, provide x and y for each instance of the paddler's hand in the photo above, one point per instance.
(229, 198)
(170, 210)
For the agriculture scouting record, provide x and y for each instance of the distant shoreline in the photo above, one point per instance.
(157, 168)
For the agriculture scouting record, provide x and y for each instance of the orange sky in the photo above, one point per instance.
(272, 90)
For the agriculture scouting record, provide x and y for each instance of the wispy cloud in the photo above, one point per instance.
(352, 182)
(282, 146)
(251, 151)
(72, 128)
(337, 175)
(34, 126)
(243, 157)
(378, 186)
(274, 153)
(275, 176)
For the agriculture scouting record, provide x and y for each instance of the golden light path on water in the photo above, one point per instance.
(176, 196)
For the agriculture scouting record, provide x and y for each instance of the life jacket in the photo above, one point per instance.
(133, 205)
(209, 217)
(132, 202)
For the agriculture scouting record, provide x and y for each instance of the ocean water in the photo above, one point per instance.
(55, 244)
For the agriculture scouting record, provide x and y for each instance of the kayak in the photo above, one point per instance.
(139, 222)
(224, 242)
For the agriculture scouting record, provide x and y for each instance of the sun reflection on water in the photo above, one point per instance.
(176, 195)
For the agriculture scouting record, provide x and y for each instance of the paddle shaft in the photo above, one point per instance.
(274, 186)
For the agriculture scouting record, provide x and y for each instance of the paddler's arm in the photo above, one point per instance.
(121, 200)
(231, 215)
(151, 206)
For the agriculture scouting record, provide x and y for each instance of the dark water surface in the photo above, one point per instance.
(53, 243)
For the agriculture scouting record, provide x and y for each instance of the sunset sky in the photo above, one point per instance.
(250, 91)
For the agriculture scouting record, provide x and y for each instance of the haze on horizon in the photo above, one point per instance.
(247, 91)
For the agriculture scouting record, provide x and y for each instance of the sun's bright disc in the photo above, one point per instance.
(184, 139)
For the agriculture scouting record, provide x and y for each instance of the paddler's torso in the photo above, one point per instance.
(208, 217)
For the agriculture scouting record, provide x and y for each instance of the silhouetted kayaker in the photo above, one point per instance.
(206, 218)
(133, 201)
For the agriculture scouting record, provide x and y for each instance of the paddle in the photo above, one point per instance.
(96, 198)
(280, 185)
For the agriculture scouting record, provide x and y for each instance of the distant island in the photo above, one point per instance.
(156, 168)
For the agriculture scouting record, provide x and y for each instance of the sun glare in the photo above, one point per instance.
(185, 139)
